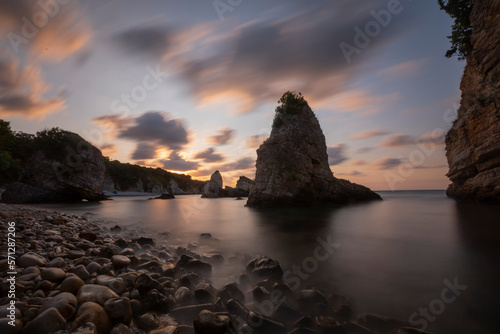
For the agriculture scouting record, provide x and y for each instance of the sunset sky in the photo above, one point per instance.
(191, 85)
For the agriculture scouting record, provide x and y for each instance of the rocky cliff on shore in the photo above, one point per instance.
(292, 164)
(473, 142)
(214, 188)
(65, 168)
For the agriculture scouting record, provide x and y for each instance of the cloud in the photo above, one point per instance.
(255, 141)
(387, 163)
(435, 137)
(158, 127)
(144, 151)
(239, 164)
(404, 70)
(152, 42)
(364, 150)
(336, 154)
(177, 163)
(223, 137)
(398, 140)
(359, 163)
(353, 173)
(209, 155)
(52, 34)
(369, 134)
(108, 149)
(261, 59)
(22, 91)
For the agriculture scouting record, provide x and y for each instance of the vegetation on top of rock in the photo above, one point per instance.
(461, 31)
(291, 103)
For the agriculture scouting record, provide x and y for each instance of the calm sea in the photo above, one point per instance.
(393, 257)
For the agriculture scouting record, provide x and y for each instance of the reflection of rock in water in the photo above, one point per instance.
(479, 231)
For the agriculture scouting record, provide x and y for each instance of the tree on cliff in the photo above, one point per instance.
(290, 103)
(461, 31)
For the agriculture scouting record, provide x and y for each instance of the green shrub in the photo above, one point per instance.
(290, 103)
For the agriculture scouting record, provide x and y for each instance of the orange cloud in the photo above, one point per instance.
(22, 91)
(406, 69)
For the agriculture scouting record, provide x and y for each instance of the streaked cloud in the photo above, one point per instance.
(404, 70)
(223, 137)
(397, 140)
(23, 90)
(144, 151)
(387, 163)
(336, 154)
(152, 42)
(209, 155)
(369, 134)
(253, 142)
(177, 163)
(51, 32)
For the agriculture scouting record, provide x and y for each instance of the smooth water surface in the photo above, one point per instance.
(391, 257)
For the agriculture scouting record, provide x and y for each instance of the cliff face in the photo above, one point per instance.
(56, 176)
(473, 143)
(293, 169)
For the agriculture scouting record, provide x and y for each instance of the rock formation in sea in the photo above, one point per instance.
(243, 186)
(67, 168)
(473, 142)
(292, 164)
(213, 188)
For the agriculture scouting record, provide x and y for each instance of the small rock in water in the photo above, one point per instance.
(116, 229)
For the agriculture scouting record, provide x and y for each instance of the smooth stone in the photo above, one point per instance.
(147, 322)
(31, 270)
(95, 293)
(81, 272)
(183, 296)
(168, 329)
(262, 324)
(88, 236)
(119, 310)
(186, 315)
(114, 283)
(210, 323)
(93, 267)
(65, 303)
(47, 322)
(6, 328)
(231, 291)
(75, 254)
(53, 274)
(190, 264)
(31, 259)
(71, 284)
(94, 313)
(264, 267)
(86, 328)
(4, 311)
(58, 262)
(120, 261)
(121, 329)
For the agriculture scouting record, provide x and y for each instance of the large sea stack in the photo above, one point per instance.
(473, 143)
(292, 164)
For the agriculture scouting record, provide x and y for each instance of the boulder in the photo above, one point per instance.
(292, 164)
(264, 267)
(119, 310)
